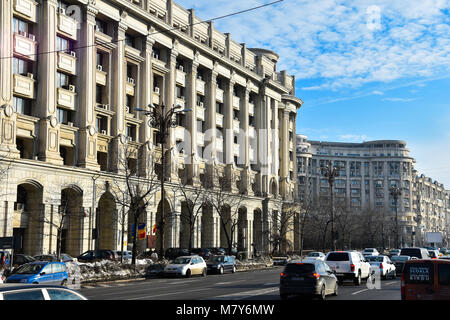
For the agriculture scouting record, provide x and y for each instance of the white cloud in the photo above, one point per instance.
(353, 137)
(331, 39)
(399, 99)
(379, 93)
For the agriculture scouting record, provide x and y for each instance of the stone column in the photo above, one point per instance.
(284, 172)
(210, 117)
(193, 173)
(118, 100)
(263, 134)
(228, 137)
(7, 114)
(145, 131)
(87, 157)
(170, 95)
(49, 134)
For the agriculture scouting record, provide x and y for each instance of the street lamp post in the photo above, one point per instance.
(163, 121)
(395, 192)
(331, 173)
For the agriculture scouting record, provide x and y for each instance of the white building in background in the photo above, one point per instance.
(367, 171)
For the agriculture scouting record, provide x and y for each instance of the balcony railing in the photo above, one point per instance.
(219, 94)
(24, 85)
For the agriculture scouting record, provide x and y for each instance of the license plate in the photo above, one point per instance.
(339, 274)
(297, 278)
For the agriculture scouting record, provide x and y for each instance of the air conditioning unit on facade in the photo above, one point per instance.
(103, 132)
(62, 11)
(200, 77)
(105, 106)
(73, 54)
(70, 124)
(156, 56)
(99, 67)
(30, 75)
(32, 37)
(181, 68)
(130, 138)
(200, 104)
(20, 206)
(157, 90)
(127, 109)
(71, 88)
(130, 80)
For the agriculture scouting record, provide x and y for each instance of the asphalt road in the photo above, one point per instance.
(248, 285)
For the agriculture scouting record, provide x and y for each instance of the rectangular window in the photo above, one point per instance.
(63, 45)
(62, 80)
(20, 27)
(20, 66)
(22, 106)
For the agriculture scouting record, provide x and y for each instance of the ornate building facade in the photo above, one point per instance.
(367, 171)
(73, 73)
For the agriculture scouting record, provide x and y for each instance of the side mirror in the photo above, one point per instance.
(42, 273)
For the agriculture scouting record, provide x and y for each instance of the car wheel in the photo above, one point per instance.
(204, 273)
(221, 270)
(394, 275)
(64, 282)
(357, 280)
(188, 273)
(335, 293)
(322, 295)
(234, 269)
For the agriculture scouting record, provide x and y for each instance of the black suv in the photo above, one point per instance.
(419, 253)
(173, 253)
(221, 264)
(92, 255)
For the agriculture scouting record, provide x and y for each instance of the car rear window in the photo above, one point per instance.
(299, 268)
(419, 273)
(338, 256)
(411, 252)
(444, 273)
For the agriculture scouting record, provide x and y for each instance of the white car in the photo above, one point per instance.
(383, 265)
(186, 266)
(315, 256)
(370, 252)
(349, 265)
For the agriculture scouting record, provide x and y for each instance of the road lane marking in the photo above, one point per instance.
(359, 291)
(270, 283)
(167, 294)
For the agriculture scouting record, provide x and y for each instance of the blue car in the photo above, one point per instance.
(40, 272)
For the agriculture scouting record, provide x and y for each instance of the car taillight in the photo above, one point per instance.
(352, 267)
(402, 287)
(282, 275)
(381, 266)
(315, 275)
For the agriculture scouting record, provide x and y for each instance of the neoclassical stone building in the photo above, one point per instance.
(368, 170)
(72, 74)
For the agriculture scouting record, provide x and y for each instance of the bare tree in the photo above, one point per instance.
(225, 202)
(134, 188)
(193, 197)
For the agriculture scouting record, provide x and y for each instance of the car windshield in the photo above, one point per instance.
(375, 259)
(368, 250)
(338, 256)
(411, 253)
(313, 254)
(29, 269)
(217, 259)
(181, 261)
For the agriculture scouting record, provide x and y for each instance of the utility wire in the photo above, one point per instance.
(158, 32)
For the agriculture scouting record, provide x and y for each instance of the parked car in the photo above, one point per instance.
(51, 257)
(370, 252)
(384, 266)
(399, 262)
(308, 278)
(38, 292)
(280, 261)
(172, 253)
(434, 254)
(38, 272)
(186, 266)
(202, 252)
(444, 251)
(20, 259)
(218, 251)
(349, 265)
(5, 258)
(221, 264)
(92, 255)
(315, 256)
(127, 255)
(394, 252)
(426, 279)
(419, 253)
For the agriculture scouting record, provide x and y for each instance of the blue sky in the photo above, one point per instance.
(365, 70)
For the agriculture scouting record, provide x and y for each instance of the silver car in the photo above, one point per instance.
(186, 266)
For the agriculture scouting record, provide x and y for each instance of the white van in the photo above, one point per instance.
(349, 265)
